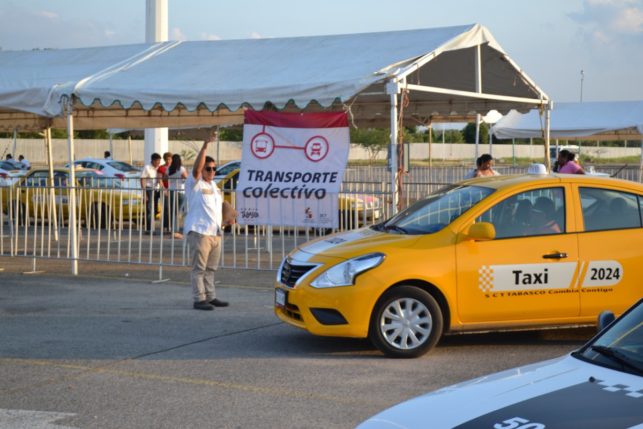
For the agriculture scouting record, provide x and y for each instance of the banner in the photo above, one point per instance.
(292, 167)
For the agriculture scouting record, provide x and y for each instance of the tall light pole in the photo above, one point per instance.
(156, 20)
(582, 78)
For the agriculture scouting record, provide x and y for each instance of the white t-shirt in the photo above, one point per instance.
(149, 174)
(176, 182)
(204, 202)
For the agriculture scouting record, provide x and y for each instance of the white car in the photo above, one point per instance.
(10, 174)
(111, 168)
(598, 386)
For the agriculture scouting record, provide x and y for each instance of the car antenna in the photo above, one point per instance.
(618, 171)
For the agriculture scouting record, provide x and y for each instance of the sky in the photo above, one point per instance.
(570, 48)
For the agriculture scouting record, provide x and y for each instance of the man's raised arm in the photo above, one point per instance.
(200, 158)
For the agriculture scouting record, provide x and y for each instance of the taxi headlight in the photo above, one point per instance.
(344, 274)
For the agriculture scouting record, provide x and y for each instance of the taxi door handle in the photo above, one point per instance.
(557, 255)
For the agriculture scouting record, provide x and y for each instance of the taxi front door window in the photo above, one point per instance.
(531, 213)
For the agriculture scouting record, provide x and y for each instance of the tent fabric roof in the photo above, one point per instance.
(212, 81)
(614, 119)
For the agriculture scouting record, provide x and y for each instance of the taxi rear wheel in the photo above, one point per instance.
(99, 216)
(406, 322)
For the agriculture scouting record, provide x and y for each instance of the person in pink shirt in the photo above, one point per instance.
(567, 163)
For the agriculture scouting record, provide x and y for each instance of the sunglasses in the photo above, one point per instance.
(210, 169)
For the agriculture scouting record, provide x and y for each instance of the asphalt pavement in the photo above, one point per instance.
(115, 348)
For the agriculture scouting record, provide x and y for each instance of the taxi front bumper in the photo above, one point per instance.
(340, 311)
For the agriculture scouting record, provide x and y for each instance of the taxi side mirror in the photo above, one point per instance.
(480, 231)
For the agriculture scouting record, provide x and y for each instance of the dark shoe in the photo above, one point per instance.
(218, 303)
(203, 305)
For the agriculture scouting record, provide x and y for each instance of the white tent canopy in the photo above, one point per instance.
(436, 74)
(451, 73)
(613, 120)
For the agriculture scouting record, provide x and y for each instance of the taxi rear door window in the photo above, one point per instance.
(606, 209)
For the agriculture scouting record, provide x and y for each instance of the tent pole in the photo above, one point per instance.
(478, 80)
(547, 133)
(490, 143)
(393, 89)
(52, 191)
(15, 142)
(641, 164)
(430, 144)
(111, 146)
(477, 134)
(73, 236)
(129, 148)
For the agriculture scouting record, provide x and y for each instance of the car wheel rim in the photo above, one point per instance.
(406, 323)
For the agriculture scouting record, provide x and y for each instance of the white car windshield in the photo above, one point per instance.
(122, 166)
(620, 346)
(437, 211)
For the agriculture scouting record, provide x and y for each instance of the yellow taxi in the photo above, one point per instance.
(101, 200)
(492, 253)
(228, 184)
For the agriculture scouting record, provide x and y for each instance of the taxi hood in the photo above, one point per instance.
(350, 243)
(561, 393)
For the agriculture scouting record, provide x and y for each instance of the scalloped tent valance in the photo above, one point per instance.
(450, 73)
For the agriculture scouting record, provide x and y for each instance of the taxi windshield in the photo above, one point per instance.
(437, 211)
(621, 346)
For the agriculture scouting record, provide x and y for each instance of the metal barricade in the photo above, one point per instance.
(111, 221)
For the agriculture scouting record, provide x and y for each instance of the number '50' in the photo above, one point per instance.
(518, 423)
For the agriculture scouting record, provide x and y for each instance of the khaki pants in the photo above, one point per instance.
(205, 252)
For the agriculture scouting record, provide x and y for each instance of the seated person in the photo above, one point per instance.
(520, 219)
(543, 218)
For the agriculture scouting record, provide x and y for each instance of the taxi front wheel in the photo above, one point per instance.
(406, 322)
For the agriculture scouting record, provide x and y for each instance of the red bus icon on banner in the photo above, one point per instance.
(316, 148)
(262, 145)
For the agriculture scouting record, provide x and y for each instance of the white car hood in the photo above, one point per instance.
(560, 393)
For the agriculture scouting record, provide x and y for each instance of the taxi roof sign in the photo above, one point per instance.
(537, 169)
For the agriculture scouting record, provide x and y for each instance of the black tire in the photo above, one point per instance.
(398, 334)
(19, 213)
(99, 213)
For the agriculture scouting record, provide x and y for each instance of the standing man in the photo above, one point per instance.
(203, 228)
(150, 184)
